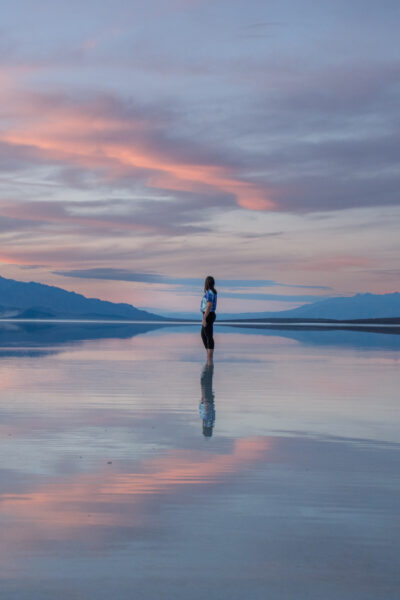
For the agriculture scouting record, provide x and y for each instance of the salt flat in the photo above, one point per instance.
(129, 469)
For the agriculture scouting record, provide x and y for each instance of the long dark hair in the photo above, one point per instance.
(209, 284)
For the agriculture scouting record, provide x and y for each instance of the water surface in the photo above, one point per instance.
(129, 469)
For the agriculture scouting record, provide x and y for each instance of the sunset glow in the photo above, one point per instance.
(265, 153)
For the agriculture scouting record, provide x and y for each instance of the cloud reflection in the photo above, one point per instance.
(88, 505)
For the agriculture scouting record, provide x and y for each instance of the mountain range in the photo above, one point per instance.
(32, 300)
(360, 306)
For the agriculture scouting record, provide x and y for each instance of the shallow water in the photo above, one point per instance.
(128, 470)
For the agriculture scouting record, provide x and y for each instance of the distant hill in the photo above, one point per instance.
(32, 300)
(360, 306)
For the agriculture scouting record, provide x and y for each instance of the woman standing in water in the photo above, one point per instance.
(208, 307)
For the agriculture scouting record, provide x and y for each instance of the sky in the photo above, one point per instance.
(145, 145)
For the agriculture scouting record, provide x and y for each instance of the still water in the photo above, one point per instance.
(131, 470)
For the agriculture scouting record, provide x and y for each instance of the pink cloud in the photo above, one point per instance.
(101, 137)
(337, 263)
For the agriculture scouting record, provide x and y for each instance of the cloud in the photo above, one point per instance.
(116, 140)
(122, 216)
(277, 297)
(314, 139)
(338, 262)
(113, 274)
(31, 267)
(262, 29)
(325, 138)
(125, 152)
(10, 224)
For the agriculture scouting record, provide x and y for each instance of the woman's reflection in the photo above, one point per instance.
(206, 407)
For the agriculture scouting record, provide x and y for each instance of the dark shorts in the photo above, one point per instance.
(207, 333)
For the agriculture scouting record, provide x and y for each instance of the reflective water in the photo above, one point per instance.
(131, 470)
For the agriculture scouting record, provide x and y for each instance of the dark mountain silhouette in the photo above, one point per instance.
(32, 300)
(360, 306)
(38, 301)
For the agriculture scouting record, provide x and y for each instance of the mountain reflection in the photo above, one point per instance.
(207, 406)
(41, 338)
(343, 336)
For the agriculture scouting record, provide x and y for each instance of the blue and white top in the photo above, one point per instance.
(209, 296)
